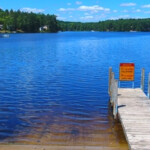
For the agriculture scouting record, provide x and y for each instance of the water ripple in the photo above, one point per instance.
(53, 87)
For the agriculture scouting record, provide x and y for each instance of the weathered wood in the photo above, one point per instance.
(115, 99)
(134, 115)
(142, 78)
(112, 88)
(148, 93)
(110, 73)
(113, 91)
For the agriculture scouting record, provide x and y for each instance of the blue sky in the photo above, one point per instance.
(83, 10)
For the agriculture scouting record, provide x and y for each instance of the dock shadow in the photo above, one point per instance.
(121, 106)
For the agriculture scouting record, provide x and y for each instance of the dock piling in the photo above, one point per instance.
(113, 92)
(148, 93)
(142, 78)
(110, 72)
(111, 87)
(115, 99)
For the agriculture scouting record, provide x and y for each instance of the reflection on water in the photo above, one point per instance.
(53, 87)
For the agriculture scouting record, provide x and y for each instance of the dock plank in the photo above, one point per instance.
(134, 115)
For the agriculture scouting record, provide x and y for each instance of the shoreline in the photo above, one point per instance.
(39, 147)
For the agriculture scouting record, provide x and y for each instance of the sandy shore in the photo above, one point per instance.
(37, 147)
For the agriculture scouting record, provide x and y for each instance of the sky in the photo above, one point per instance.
(83, 10)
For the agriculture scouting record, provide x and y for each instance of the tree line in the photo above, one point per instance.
(27, 22)
(108, 25)
(32, 23)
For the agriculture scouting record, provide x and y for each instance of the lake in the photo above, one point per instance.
(54, 87)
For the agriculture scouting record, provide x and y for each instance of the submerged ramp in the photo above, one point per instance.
(134, 115)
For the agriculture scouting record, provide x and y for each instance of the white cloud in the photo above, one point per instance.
(66, 9)
(87, 17)
(146, 6)
(120, 17)
(124, 16)
(113, 18)
(92, 18)
(128, 4)
(95, 8)
(34, 10)
(115, 11)
(61, 18)
(78, 2)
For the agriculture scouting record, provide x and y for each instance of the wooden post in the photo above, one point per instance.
(111, 87)
(142, 78)
(115, 96)
(110, 71)
(148, 93)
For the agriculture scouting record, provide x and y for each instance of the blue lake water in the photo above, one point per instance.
(54, 87)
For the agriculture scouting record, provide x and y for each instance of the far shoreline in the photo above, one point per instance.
(22, 32)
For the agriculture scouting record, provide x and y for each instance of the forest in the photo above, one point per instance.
(18, 21)
(27, 22)
(108, 25)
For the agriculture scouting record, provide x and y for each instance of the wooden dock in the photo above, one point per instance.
(132, 107)
(134, 115)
